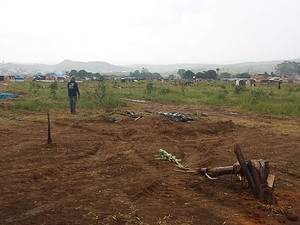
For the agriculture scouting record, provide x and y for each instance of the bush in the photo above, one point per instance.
(53, 88)
(239, 89)
(34, 87)
(149, 88)
(100, 92)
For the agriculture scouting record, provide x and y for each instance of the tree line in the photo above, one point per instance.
(145, 74)
(84, 74)
(289, 68)
(286, 68)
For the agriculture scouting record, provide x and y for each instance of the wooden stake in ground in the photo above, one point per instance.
(245, 169)
(49, 141)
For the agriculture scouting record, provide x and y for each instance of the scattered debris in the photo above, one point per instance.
(132, 115)
(256, 172)
(174, 116)
(8, 95)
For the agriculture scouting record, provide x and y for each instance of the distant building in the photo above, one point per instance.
(19, 78)
(128, 79)
(245, 82)
(290, 79)
(7, 78)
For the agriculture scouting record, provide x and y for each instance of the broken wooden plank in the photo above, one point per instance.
(246, 172)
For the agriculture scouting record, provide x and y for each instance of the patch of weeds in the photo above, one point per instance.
(240, 89)
(149, 88)
(53, 89)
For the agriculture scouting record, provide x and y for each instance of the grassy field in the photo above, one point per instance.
(266, 99)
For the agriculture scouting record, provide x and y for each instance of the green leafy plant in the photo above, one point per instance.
(101, 89)
(149, 88)
(53, 88)
(239, 89)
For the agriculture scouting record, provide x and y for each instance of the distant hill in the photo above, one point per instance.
(66, 65)
(94, 66)
(163, 69)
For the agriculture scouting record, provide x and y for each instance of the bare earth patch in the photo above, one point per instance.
(101, 167)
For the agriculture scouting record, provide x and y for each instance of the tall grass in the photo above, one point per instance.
(262, 98)
(43, 96)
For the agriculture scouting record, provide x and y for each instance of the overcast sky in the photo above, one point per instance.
(149, 31)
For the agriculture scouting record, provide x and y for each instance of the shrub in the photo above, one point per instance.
(34, 87)
(53, 88)
(239, 89)
(100, 92)
(149, 88)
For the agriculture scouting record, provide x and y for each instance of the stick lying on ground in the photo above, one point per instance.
(132, 115)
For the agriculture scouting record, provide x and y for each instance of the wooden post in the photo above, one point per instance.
(264, 181)
(244, 169)
(49, 141)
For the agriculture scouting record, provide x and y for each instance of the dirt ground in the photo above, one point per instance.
(101, 167)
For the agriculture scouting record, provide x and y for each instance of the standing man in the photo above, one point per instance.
(73, 92)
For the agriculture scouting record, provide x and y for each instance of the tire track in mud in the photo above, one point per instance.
(157, 186)
(164, 187)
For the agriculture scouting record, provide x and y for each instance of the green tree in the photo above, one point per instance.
(199, 75)
(210, 74)
(156, 76)
(288, 68)
(145, 70)
(171, 77)
(181, 72)
(135, 73)
(189, 75)
(82, 73)
(73, 73)
(225, 75)
(243, 75)
(145, 74)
